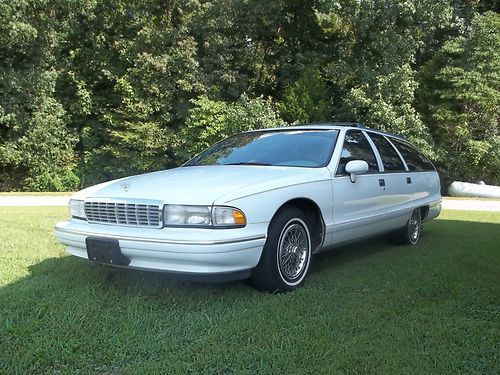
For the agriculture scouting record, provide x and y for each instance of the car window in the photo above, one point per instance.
(390, 158)
(357, 147)
(286, 148)
(414, 160)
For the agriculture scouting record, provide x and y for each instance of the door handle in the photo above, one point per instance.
(408, 180)
(381, 182)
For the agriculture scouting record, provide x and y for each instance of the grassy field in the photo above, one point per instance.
(372, 307)
(471, 198)
(43, 193)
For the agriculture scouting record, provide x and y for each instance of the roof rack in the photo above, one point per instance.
(334, 123)
(352, 124)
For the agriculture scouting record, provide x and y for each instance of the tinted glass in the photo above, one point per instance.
(294, 148)
(414, 160)
(356, 147)
(390, 158)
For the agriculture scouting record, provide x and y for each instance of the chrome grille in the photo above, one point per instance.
(123, 213)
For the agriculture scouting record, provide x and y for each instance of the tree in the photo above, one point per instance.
(130, 72)
(372, 70)
(95, 90)
(36, 147)
(210, 121)
(307, 99)
(460, 99)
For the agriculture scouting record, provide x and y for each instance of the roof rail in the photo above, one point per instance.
(352, 124)
(334, 123)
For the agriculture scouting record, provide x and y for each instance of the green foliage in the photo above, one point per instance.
(210, 121)
(373, 68)
(306, 100)
(385, 102)
(36, 146)
(461, 100)
(254, 46)
(94, 90)
(128, 83)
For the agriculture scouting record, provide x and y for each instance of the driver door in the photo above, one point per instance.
(358, 207)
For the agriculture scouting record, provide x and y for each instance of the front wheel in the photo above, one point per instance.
(286, 255)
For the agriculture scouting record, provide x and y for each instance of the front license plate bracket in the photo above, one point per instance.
(106, 251)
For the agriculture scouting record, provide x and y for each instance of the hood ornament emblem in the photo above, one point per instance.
(125, 186)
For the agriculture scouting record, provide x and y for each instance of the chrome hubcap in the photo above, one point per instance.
(293, 248)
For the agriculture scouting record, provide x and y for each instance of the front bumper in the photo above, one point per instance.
(187, 251)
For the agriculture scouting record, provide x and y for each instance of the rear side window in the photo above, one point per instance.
(390, 158)
(414, 159)
(357, 147)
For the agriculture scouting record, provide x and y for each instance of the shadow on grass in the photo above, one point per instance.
(70, 274)
(438, 236)
(81, 273)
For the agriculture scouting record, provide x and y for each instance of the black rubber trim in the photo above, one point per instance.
(208, 277)
(193, 276)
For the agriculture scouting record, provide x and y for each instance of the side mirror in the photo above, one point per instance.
(355, 167)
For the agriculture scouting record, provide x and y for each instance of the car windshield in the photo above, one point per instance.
(291, 148)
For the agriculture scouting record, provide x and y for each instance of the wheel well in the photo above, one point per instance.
(314, 218)
(423, 212)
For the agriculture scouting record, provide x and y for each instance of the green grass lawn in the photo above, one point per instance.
(371, 307)
(37, 193)
(471, 198)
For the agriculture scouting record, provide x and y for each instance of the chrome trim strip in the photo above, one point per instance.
(341, 225)
(150, 240)
(154, 202)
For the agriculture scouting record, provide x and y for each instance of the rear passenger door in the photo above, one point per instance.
(398, 181)
(425, 180)
(358, 207)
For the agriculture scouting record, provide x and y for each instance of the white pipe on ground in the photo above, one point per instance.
(465, 189)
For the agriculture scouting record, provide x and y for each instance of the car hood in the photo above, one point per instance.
(203, 184)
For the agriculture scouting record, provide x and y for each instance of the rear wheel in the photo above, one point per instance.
(410, 233)
(286, 256)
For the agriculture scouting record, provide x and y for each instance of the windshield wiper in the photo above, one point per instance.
(247, 163)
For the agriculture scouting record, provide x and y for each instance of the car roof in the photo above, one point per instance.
(332, 126)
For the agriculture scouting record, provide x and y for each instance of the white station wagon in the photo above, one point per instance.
(258, 204)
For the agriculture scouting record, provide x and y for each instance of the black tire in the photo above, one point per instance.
(286, 256)
(410, 233)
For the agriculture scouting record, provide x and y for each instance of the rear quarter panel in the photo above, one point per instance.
(427, 192)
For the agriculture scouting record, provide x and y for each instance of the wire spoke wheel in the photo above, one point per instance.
(293, 250)
(414, 226)
(286, 256)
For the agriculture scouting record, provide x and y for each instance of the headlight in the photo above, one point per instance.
(186, 215)
(77, 208)
(217, 216)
